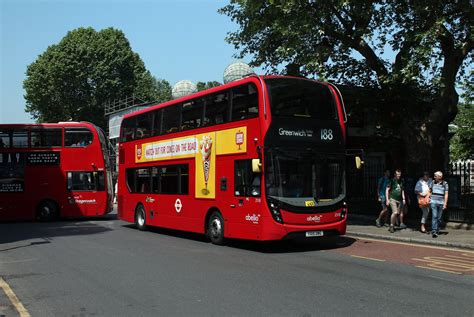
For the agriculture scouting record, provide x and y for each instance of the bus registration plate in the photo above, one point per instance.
(310, 234)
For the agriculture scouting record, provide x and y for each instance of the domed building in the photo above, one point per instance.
(237, 71)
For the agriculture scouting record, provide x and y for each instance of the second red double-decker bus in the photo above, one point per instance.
(261, 158)
(54, 170)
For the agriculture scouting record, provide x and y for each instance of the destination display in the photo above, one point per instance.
(298, 132)
(43, 158)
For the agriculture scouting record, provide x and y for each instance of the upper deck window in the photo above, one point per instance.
(232, 104)
(5, 138)
(77, 137)
(244, 102)
(46, 137)
(20, 138)
(128, 129)
(300, 98)
(171, 119)
(217, 108)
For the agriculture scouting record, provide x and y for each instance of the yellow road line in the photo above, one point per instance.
(367, 258)
(446, 262)
(434, 269)
(418, 245)
(460, 259)
(14, 299)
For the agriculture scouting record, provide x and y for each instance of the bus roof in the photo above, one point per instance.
(47, 125)
(210, 91)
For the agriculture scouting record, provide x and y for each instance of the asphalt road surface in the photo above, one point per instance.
(106, 267)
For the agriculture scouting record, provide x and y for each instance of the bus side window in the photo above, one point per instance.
(217, 109)
(246, 182)
(85, 181)
(46, 138)
(192, 113)
(244, 102)
(128, 129)
(171, 119)
(157, 115)
(143, 180)
(20, 138)
(131, 183)
(144, 125)
(77, 137)
(5, 138)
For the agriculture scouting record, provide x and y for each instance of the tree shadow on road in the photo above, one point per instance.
(44, 232)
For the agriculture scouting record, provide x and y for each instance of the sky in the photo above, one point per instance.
(176, 39)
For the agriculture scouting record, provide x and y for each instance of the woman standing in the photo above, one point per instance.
(422, 189)
(439, 201)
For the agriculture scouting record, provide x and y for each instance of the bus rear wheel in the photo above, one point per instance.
(140, 218)
(47, 211)
(215, 228)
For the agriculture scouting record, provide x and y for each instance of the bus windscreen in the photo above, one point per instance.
(294, 176)
(300, 98)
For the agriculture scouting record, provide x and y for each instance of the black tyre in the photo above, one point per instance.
(140, 218)
(47, 211)
(215, 228)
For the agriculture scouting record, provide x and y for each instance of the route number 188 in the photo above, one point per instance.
(326, 134)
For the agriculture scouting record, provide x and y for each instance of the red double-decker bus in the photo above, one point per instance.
(54, 170)
(261, 158)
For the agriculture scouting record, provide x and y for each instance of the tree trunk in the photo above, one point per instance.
(426, 139)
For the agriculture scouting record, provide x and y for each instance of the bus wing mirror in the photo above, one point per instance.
(358, 162)
(256, 166)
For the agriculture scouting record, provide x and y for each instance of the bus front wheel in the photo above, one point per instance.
(47, 211)
(215, 228)
(140, 218)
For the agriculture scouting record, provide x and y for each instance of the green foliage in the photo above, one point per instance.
(413, 52)
(72, 80)
(161, 90)
(462, 143)
(346, 41)
(206, 85)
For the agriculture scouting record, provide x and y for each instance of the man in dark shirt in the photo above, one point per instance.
(395, 197)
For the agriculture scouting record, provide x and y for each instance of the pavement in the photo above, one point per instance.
(454, 235)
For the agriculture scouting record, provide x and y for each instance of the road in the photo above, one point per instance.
(106, 267)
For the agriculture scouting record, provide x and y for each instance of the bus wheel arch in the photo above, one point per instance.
(140, 217)
(214, 226)
(47, 210)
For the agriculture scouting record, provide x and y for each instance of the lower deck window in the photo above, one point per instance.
(169, 179)
(85, 181)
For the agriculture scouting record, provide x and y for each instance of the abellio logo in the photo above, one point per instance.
(313, 218)
(253, 218)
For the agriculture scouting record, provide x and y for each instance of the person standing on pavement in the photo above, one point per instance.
(381, 188)
(439, 201)
(422, 190)
(395, 197)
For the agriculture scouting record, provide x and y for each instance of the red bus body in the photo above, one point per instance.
(60, 169)
(252, 207)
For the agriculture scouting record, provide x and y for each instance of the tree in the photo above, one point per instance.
(161, 90)
(206, 85)
(345, 41)
(72, 80)
(462, 143)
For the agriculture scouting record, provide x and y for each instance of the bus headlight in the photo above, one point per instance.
(275, 211)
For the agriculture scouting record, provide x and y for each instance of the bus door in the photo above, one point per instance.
(246, 200)
(86, 193)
